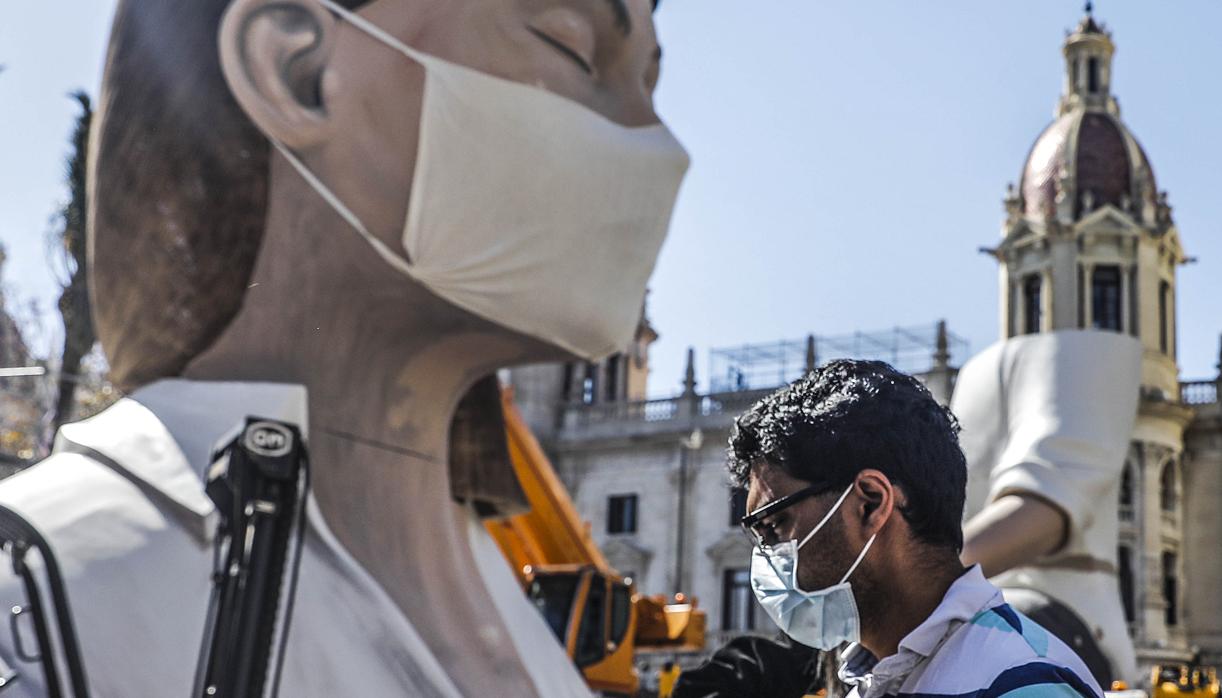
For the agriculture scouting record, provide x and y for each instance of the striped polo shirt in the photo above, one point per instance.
(972, 646)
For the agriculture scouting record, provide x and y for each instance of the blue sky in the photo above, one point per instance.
(849, 157)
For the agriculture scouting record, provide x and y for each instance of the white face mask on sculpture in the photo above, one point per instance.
(822, 619)
(527, 208)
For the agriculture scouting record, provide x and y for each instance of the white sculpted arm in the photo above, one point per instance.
(1046, 421)
(1015, 529)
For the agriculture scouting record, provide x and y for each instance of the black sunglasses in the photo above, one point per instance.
(753, 522)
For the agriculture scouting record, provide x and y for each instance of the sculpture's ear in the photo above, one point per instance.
(274, 54)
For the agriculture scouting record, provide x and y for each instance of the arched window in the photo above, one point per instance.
(1164, 324)
(1171, 588)
(1031, 304)
(1166, 487)
(1105, 298)
(611, 387)
(1126, 493)
(1127, 598)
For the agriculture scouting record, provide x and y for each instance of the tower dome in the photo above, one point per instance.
(1086, 158)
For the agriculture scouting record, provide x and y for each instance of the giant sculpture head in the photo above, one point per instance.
(184, 176)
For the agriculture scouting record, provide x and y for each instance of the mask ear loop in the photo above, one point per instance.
(384, 251)
(859, 559)
(344, 212)
(373, 30)
(831, 511)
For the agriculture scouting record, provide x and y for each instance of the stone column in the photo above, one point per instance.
(1153, 608)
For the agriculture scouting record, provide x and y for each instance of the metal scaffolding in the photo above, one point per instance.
(758, 366)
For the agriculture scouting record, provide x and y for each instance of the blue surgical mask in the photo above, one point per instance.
(822, 619)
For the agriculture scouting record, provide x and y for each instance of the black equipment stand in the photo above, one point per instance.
(259, 483)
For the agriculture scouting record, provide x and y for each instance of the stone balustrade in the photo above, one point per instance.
(716, 411)
(1199, 392)
(683, 413)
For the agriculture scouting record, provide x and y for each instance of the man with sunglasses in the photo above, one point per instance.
(856, 487)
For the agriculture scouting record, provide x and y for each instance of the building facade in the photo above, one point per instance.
(1088, 242)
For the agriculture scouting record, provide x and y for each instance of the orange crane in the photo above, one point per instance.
(595, 613)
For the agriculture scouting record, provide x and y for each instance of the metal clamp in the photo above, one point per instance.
(18, 644)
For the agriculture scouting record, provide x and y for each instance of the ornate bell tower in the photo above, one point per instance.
(1089, 242)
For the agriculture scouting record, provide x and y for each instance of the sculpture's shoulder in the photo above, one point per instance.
(135, 573)
(78, 502)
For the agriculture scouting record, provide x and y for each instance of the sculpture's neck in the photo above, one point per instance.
(384, 361)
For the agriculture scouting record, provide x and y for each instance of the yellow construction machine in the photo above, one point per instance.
(1185, 680)
(595, 613)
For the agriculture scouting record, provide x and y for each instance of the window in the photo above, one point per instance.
(1133, 304)
(1031, 304)
(1125, 558)
(1126, 493)
(1164, 327)
(737, 600)
(1105, 298)
(566, 387)
(591, 636)
(1011, 309)
(1081, 297)
(621, 514)
(553, 596)
(589, 385)
(738, 505)
(621, 612)
(1171, 589)
(1171, 339)
(1092, 74)
(1166, 487)
(611, 390)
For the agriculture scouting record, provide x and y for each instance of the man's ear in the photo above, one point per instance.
(879, 497)
(273, 54)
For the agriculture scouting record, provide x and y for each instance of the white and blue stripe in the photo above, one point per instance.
(973, 645)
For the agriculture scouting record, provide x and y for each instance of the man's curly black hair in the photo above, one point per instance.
(849, 415)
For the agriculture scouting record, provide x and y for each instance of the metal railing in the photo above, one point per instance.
(1199, 392)
(659, 410)
(663, 409)
(731, 403)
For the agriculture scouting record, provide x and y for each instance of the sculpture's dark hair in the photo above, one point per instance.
(178, 190)
(848, 416)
